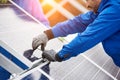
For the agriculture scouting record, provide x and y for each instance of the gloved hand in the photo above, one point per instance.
(3, 1)
(51, 55)
(40, 40)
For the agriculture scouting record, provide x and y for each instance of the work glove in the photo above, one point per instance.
(3, 1)
(51, 55)
(41, 39)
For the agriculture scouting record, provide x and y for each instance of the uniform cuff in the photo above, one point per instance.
(57, 57)
(49, 34)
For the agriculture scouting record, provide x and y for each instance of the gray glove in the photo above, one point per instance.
(41, 39)
(51, 55)
(3, 1)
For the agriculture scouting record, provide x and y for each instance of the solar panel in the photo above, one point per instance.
(17, 30)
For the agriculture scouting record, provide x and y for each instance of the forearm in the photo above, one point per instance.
(70, 26)
(77, 24)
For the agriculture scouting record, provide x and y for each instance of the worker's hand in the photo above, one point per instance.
(3, 1)
(51, 55)
(40, 40)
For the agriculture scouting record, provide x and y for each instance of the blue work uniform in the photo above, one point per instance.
(93, 28)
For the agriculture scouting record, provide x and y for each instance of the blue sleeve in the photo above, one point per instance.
(77, 24)
(105, 25)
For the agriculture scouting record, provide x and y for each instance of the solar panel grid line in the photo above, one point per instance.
(85, 71)
(118, 76)
(45, 73)
(59, 8)
(78, 6)
(98, 56)
(64, 11)
(99, 70)
(59, 70)
(26, 12)
(117, 73)
(73, 70)
(50, 12)
(99, 67)
(60, 3)
(63, 2)
(54, 4)
(111, 67)
(102, 76)
(18, 12)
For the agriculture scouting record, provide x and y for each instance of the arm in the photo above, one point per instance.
(77, 24)
(105, 25)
